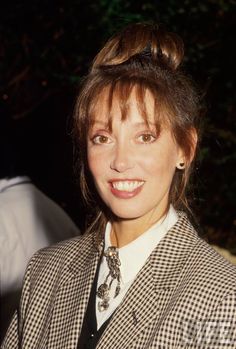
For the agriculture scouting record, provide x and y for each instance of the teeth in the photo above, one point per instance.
(126, 186)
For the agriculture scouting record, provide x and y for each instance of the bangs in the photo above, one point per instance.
(102, 98)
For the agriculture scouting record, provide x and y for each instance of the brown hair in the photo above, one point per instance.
(141, 57)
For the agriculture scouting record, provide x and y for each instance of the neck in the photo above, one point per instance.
(125, 231)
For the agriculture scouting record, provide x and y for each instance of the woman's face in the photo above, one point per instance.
(132, 165)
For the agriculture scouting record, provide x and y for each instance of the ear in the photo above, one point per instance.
(184, 160)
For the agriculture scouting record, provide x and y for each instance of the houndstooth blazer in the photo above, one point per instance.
(184, 297)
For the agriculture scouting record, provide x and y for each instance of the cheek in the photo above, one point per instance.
(92, 163)
(96, 163)
(161, 165)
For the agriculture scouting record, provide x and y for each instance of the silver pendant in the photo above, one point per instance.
(117, 291)
(113, 262)
(103, 291)
(103, 305)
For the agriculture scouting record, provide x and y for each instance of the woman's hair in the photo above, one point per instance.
(141, 58)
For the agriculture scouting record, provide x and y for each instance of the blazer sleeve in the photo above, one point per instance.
(224, 322)
(14, 333)
(219, 329)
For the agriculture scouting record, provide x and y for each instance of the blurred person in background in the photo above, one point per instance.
(29, 221)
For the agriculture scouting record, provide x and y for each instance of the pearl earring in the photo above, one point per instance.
(181, 165)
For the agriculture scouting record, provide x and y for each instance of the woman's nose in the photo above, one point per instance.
(122, 159)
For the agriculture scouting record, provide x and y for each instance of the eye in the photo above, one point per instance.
(101, 139)
(146, 138)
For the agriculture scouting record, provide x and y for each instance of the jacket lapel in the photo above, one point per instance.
(149, 298)
(72, 298)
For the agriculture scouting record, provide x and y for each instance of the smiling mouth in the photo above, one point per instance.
(128, 186)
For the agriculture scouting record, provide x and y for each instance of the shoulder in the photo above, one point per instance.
(212, 267)
(200, 255)
(207, 276)
(205, 282)
(202, 269)
(207, 262)
(58, 257)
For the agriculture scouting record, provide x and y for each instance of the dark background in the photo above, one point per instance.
(47, 46)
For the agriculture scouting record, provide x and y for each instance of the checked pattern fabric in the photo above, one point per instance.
(183, 297)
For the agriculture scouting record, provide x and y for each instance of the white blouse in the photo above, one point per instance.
(132, 257)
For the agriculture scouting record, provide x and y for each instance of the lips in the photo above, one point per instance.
(126, 189)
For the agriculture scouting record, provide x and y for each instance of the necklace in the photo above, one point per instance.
(103, 292)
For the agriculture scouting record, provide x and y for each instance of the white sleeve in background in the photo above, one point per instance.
(29, 220)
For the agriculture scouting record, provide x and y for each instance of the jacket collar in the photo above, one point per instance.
(169, 257)
(166, 261)
(75, 287)
(87, 252)
(150, 293)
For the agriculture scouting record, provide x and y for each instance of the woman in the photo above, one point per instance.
(140, 277)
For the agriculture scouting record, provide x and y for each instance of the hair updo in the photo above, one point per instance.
(141, 57)
(160, 46)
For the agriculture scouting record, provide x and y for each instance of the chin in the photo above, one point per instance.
(127, 213)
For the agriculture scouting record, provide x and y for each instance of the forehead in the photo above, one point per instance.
(122, 104)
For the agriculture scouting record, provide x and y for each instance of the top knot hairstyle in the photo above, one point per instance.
(141, 58)
(140, 41)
